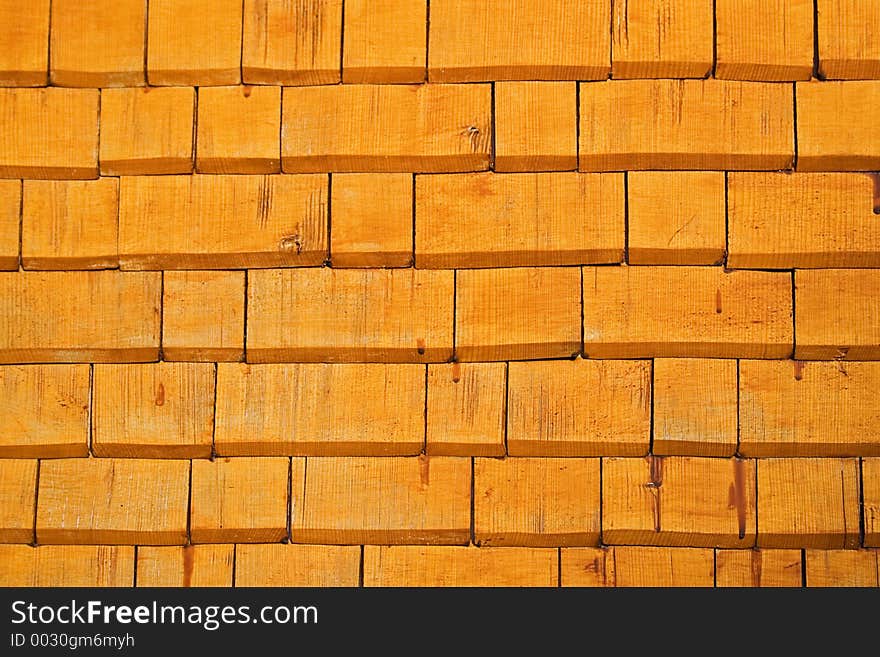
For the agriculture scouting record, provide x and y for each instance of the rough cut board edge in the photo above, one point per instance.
(461, 163)
(516, 73)
(577, 448)
(206, 261)
(46, 536)
(333, 536)
(342, 448)
(79, 355)
(505, 259)
(348, 355)
(648, 537)
(720, 349)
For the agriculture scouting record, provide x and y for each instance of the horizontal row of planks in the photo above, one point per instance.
(55, 133)
(744, 220)
(309, 565)
(674, 501)
(581, 408)
(419, 316)
(216, 42)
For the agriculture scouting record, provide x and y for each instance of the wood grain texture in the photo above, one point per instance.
(675, 218)
(473, 40)
(194, 43)
(99, 43)
(587, 567)
(808, 503)
(842, 568)
(318, 409)
(679, 501)
(758, 568)
(153, 410)
(524, 220)
(49, 133)
(692, 312)
(242, 500)
(97, 316)
(70, 224)
(372, 220)
(685, 124)
(225, 116)
(871, 501)
(517, 313)
(847, 47)
(451, 566)
(113, 501)
(835, 126)
(579, 408)
(770, 40)
(535, 126)
(695, 407)
(297, 565)
(67, 565)
(18, 490)
(662, 39)
(325, 315)
(388, 501)
(291, 43)
(837, 314)
(467, 404)
(537, 502)
(385, 41)
(222, 222)
(784, 408)
(190, 566)
(638, 567)
(203, 315)
(147, 131)
(44, 411)
(10, 223)
(807, 221)
(386, 128)
(24, 54)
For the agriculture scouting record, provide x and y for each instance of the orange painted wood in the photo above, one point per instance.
(113, 501)
(297, 565)
(242, 500)
(44, 411)
(662, 39)
(147, 131)
(808, 503)
(320, 409)
(203, 315)
(70, 224)
(385, 41)
(693, 312)
(96, 316)
(24, 53)
(808, 408)
(674, 124)
(409, 501)
(847, 49)
(10, 223)
(451, 566)
(326, 315)
(473, 40)
(517, 313)
(535, 126)
(194, 43)
(758, 568)
(222, 222)
(679, 501)
(467, 405)
(837, 314)
(537, 502)
(579, 408)
(408, 128)
(770, 40)
(190, 566)
(99, 43)
(844, 568)
(153, 410)
(49, 133)
(523, 220)
(18, 490)
(291, 43)
(239, 130)
(67, 565)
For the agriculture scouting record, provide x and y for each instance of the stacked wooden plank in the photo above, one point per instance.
(459, 293)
